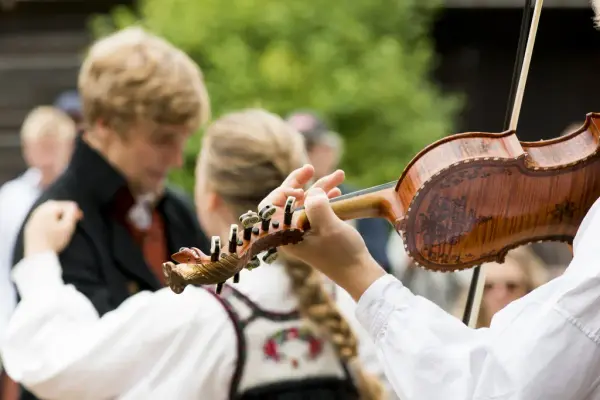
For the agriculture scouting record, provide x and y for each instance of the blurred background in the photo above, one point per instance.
(389, 77)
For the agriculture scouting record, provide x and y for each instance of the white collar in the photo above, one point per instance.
(140, 214)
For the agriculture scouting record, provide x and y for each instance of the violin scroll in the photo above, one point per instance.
(260, 232)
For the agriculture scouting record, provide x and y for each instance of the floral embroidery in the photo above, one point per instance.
(271, 348)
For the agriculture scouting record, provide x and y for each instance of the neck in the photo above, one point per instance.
(45, 182)
(96, 144)
(380, 201)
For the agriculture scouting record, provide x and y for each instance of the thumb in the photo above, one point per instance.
(318, 210)
(70, 215)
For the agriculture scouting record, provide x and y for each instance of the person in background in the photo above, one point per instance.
(142, 99)
(325, 149)
(279, 333)
(47, 136)
(70, 102)
(521, 273)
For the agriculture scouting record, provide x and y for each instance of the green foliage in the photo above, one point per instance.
(362, 64)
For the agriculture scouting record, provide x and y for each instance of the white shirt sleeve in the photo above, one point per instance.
(154, 345)
(10, 220)
(367, 351)
(545, 345)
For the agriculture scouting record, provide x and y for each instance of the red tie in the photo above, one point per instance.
(152, 239)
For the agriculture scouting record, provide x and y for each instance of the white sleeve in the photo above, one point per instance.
(8, 294)
(367, 351)
(545, 345)
(57, 346)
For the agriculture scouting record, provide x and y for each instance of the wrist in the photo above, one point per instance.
(35, 247)
(357, 277)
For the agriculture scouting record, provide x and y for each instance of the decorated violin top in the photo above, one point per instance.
(462, 201)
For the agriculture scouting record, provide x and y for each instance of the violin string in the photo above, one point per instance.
(519, 59)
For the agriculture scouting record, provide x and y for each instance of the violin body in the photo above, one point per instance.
(462, 201)
(470, 198)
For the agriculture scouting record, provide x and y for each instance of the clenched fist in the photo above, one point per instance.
(51, 227)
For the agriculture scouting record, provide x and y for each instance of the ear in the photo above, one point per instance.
(100, 132)
(214, 202)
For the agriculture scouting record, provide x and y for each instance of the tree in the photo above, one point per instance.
(362, 64)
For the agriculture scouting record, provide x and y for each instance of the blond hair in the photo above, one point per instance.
(133, 75)
(247, 155)
(47, 121)
(534, 273)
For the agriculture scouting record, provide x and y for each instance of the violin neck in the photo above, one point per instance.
(376, 202)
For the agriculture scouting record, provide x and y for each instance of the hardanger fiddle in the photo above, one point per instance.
(462, 201)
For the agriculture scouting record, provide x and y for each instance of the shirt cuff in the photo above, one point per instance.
(38, 274)
(375, 305)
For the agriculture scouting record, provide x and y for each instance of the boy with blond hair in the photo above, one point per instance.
(142, 99)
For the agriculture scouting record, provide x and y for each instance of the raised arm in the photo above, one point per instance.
(58, 346)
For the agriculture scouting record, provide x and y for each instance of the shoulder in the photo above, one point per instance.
(180, 200)
(179, 210)
(14, 185)
(56, 191)
(196, 309)
(180, 203)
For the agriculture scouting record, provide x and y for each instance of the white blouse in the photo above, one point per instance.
(154, 346)
(16, 198)
(543, 346)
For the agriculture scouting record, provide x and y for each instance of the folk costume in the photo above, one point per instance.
(248, 343)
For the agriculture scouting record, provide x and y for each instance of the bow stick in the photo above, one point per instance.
(476, 287)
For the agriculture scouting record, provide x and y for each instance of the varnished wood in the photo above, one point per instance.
(470, 198)
(377, 202)
(462, 201)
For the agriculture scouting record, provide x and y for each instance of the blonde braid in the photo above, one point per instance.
(316, 305)
(249, 153)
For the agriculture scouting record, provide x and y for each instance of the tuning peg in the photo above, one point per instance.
(254, 263)
(219, 287)
(270, 256)
(236, 278)
(265, 215)
(248, 220)
(289, 211)
(215, 248)
(233, 240)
